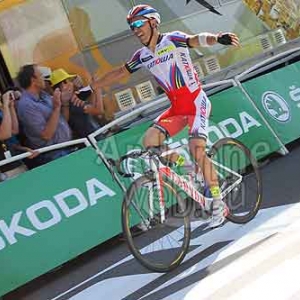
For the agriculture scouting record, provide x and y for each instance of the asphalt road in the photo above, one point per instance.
(232, 262)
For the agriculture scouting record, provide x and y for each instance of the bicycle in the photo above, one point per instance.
(159, 201)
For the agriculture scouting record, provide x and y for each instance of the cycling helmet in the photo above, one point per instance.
(145, 11)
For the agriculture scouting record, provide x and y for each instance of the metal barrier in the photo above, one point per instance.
(212, 87)
(45, 149)
(268, 64)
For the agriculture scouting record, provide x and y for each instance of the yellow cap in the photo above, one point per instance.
(59, 75)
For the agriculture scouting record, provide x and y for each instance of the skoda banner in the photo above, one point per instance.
(54, 213)
(277, 95)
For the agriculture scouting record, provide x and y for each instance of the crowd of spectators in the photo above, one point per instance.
(45, 108)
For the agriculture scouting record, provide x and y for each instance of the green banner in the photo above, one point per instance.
(277, 95)
(54, 213)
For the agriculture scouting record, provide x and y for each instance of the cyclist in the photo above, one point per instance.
(167, 57)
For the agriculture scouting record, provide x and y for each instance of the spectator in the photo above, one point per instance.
(81, 107)
(9, 143)
(6, 122)
(46, 75)
(13, 142)
(40, 114)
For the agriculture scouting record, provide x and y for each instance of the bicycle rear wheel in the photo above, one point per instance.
(239, 179)
(164, 243)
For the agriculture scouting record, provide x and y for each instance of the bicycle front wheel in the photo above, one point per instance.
(166, 226)
(239, 179)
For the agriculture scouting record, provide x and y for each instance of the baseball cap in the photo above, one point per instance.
(45, 71)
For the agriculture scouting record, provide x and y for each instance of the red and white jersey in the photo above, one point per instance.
(171, 63)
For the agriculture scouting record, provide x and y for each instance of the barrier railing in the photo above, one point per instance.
(136, 112)
(151, 104)
(269, 63)
(45, 150)
(233, 115)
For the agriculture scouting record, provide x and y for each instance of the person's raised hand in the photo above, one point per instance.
(17, 95)
(56, 99)
(8, 99)
(78, 82)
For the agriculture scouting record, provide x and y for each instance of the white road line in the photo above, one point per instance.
(268, 222)
(213, 286)
(278, 284)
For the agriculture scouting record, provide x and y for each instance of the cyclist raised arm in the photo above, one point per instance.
(113, 76)
(205, 39)
(167, 57)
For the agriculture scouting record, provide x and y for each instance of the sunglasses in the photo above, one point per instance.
(137, 24)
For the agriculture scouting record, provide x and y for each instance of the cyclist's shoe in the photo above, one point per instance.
(219, 212)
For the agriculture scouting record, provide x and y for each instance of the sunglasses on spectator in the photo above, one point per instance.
(137, 24)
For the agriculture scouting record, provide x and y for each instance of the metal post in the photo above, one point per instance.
(283, 150)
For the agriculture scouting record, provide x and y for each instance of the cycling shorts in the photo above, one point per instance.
(187, 109)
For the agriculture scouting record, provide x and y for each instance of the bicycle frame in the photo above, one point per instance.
(161, 171)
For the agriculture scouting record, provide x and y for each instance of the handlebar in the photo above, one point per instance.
(117, 163)
(134, 154)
